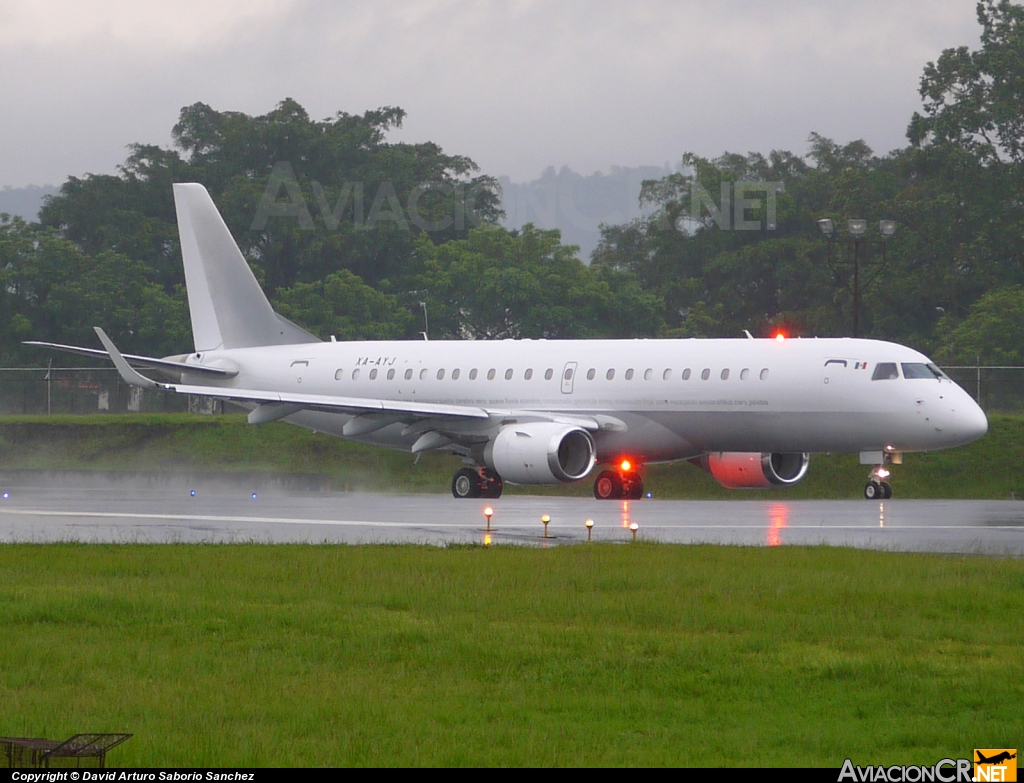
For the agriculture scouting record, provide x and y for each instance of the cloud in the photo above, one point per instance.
(515, 85)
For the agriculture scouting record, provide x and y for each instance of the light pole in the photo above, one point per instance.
(853, 242)
(426, 323)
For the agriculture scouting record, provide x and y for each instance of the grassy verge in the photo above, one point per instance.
(989, 468)
(589, 655)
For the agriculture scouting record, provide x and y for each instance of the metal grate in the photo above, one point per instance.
(81, 750)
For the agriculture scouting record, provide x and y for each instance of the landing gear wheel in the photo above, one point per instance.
(873, 491)
(886, 490)
(491, 484)
(466, 484)
(632, 486)
(608, 485)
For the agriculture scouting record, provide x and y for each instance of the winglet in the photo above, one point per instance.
(130, 376)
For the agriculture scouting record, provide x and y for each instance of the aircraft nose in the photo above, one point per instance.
(971, 422)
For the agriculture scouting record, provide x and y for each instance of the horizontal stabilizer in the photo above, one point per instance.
(142, 361)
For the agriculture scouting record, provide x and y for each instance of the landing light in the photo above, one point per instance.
(883, 473)
(780, 336)
(626, 464)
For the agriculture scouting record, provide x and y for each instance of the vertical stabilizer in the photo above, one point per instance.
(228, 308)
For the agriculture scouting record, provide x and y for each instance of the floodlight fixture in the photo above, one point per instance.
(826, 226)
(857, 228)
(886, 228)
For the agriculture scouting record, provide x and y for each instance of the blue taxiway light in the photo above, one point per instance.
(253, 495)
(7, 495)
(193, 493)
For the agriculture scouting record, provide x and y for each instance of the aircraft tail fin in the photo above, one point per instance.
(227, 306)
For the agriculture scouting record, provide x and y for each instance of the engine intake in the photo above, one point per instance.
(541, 453)
(750, 470)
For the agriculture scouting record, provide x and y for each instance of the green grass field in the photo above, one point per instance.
(636, 654)
(588, 655)
(989, 468)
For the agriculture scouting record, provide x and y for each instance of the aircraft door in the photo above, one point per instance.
(833, 373)
(568, 376)
(836, 376)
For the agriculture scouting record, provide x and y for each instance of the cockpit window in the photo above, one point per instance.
(922, 370)
(885, 371)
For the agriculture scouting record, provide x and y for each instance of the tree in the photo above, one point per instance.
(499, 284)
(993, 330)
(343, 306)
(345, 197)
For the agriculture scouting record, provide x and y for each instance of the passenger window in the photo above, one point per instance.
(472, 374)
(455, 375)
(338, 375)
(725, 375)
(355, 375)
(885, 371)
(591, 373)
(648, 374)
(705, 374)
(764, 374)
(423, 374)
(440, 375)
(744, 373)
(391, 374)
(610, 374)
(629, 374)
(548, 373)
(568, 374)
(508, 375)
(528, 374)
(373, 374)
(667, 375)
(490, 375)
(686, 374)
(408, 375)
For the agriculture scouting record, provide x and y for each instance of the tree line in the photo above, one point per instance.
(354, 236)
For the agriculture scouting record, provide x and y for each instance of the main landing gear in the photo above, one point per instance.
(877, 487)
(618, 485)
(477, 483)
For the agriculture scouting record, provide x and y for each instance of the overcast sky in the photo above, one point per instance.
(516, 85)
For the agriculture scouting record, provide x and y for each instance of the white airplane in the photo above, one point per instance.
(749, 411)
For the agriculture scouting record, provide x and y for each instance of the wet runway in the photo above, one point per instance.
(77, 507)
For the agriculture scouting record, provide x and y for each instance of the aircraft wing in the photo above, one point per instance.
(323, 402)
(288, 402)
(275, 405)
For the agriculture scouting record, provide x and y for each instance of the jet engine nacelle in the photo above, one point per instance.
(749, 470)
(541, 453)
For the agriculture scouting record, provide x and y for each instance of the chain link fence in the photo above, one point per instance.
(998, 389)
(81, 390)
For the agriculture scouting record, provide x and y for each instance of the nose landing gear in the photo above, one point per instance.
(478, 482)
(877, 487)
(618, 485)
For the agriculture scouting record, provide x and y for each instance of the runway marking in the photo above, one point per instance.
(456, 525)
